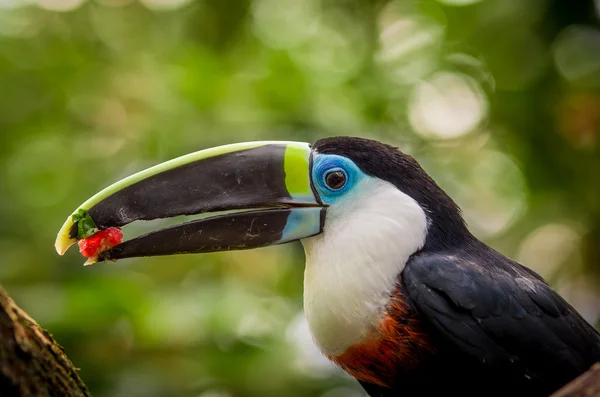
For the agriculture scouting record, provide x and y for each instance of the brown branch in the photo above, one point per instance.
(586, 385)
(31, 362)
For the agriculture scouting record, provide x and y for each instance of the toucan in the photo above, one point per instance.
(397, 291)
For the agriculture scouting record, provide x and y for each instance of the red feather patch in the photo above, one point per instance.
(396, 343)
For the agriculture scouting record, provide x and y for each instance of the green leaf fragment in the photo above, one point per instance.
(86, 226)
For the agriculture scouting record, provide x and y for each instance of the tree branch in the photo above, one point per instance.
(31, 362)
(586, 385)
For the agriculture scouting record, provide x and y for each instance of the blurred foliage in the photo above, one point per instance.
(498, 99)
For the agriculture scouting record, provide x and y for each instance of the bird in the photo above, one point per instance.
(397, 291)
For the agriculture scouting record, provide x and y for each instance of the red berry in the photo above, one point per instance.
(115, 236)
(101, 241)
(87, 247)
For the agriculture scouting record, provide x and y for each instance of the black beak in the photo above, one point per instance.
(269, 181)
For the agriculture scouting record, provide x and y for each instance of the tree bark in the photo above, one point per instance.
(586, 385)
(31, 362)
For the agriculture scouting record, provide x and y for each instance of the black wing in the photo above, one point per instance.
(502, 315)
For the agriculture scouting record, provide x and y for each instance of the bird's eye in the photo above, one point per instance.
(335, 179)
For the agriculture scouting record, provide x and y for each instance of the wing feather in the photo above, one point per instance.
(501, 314)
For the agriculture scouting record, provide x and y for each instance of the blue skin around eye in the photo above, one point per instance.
(324, 163)
(306, 221)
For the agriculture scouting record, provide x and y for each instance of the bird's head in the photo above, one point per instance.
(281, 191)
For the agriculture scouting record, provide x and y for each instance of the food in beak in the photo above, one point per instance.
(94, 245)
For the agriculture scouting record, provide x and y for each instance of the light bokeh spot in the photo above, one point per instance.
(490, 189)
(576, 53)
(408, 44)
(582, 293)
(548, 247)
(285, 24)
(446, 106)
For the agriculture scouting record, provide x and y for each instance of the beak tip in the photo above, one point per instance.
(63, 239)
(62, 245)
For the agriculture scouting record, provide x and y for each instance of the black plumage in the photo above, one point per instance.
(496, 327)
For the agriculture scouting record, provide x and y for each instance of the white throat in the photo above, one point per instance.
(352, 267)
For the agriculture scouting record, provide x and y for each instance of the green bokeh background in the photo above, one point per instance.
(498, 99)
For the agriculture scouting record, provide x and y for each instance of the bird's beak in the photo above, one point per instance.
(269, 181)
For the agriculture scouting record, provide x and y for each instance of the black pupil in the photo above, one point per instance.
(335, 179)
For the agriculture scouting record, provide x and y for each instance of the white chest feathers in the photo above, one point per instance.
(352, 267)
